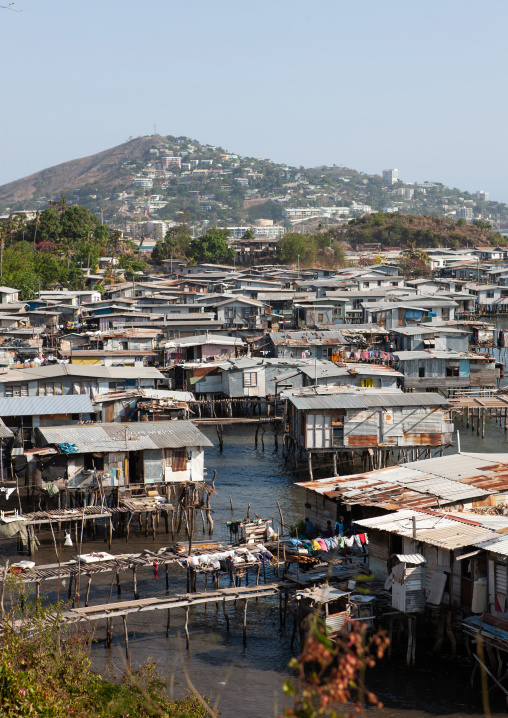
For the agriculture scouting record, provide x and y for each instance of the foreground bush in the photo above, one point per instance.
(46, 671)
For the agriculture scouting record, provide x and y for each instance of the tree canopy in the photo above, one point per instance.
(176, 244)
(321, 248)
(213, 247)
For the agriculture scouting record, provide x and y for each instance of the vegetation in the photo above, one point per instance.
(331, 674)
(57, 247)
(404, 230)
(223, 189)
(175, 245)
(212, 247)
(311, 249)
(46, 671)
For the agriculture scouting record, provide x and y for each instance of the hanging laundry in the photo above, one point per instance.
(357, 541)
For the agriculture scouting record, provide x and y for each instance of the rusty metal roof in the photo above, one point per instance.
(434, 482)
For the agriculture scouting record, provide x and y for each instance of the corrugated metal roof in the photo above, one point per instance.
(498, 544)
(112, 437)
(42, 405)
(365, 400)
(415, 558)
(99, 372)
(349, 370)
(436, 529)
(447, 479)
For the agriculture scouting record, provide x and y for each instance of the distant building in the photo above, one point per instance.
(482, 196)
(390, 176)
(142, 183)
(408, 193)
(272, 232)
(465, 213)
(168, 162)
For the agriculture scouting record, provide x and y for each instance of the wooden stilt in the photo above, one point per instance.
(88, 589)
(225, 614)
(126, 634)
(186, 627)
(245, 622)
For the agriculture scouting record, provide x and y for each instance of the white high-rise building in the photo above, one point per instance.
(390, 176)
(482, 196)
(465, 213)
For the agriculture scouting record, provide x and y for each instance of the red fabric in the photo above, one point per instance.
(155, 569)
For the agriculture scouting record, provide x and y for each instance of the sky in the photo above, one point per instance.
(359, 83)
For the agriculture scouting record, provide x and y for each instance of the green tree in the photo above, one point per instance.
(176, 244)
(213, 247)
(293, 245)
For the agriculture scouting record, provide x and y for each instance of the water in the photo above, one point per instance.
(253, 676)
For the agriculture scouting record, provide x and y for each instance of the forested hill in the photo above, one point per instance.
(216, 187)
(399, 230)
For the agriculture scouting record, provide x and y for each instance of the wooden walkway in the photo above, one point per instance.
(123, 608)
(497, 401)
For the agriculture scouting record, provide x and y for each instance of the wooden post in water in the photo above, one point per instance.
(88, 589)
(135, 583)
(245, 623)
(186, 627)
(126, 634)
(225, 613)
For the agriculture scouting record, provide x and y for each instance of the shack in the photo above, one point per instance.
(327, 420)
(126, 454)
(456, 483)
(445, 540)
(432, 369)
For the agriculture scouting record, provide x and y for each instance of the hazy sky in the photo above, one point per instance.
(361, 83)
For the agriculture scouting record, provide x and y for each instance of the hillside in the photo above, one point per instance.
(213, 186)
(106, 168)
(399, 230)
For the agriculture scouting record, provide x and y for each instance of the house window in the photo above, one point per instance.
(179, 460)
(250, 378)
(490, 295)
(117, 386)
(320, 318)
(421, 372)
(16, 390)
(51, 388)
(452, 368)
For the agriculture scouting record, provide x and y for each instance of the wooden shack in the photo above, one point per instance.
(328, 420)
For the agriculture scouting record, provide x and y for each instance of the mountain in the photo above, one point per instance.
(213, 186)
(106, 168)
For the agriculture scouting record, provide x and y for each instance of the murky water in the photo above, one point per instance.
(249, 678)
